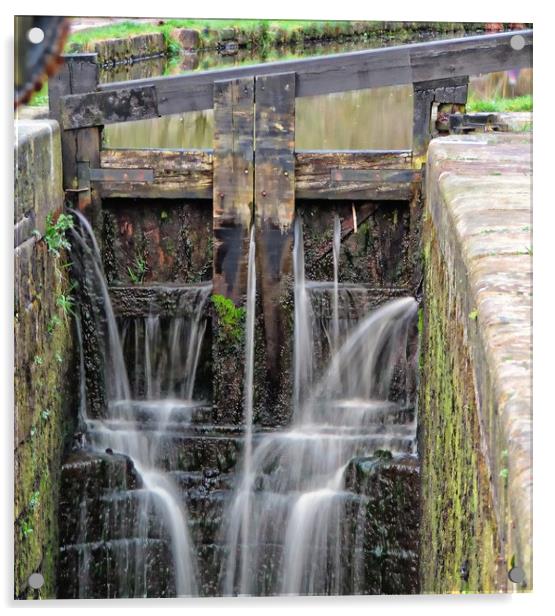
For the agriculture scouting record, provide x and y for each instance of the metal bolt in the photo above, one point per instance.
(286, 173)
(221, 195)
(263, 193)
(246, 171)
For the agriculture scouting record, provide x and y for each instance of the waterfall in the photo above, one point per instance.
(286, 525)
(302, 344)
(138, 427)
(249, 373)
(336, 251)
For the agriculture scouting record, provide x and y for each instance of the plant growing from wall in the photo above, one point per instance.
(230, 317)
(138, 271)
(53, 323)
(55, 233)
(65, 302)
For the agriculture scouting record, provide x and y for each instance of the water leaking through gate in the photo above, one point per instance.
(306, 481)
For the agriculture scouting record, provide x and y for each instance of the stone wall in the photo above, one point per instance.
(43, 374)
(475, 393)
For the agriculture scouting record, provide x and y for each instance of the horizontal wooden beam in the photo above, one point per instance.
(121, 176)
(374, 184)
(321, 174)
(404, 64)
(178, 174)
(355, 175)
(98, 108)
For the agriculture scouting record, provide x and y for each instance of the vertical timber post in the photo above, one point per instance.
(233, 184)
(80, 148)
(450, 96)
(80, 152)
(274, 214)
(446, 93)
(233, 202)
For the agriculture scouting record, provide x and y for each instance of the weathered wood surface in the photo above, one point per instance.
(425, 94)
(274, 214)
(341, 72)
(80, 148)
(233, 184)
(317, 175)
(374, 184)
(178, 174)
(80, 151)
(479, 122)
(120, 176)
(99, 108)
(188, 174)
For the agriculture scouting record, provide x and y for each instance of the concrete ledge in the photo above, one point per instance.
(479, 198)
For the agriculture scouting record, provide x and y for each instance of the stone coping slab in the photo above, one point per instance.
(479, 194)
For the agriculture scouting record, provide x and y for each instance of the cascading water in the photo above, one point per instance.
(288, 531)
(168, 507)
(137, 427)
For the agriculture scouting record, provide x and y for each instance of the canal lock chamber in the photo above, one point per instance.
(166, 490)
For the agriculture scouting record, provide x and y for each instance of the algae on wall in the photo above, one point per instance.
(460, 550)
(43, 371)
(42, 385)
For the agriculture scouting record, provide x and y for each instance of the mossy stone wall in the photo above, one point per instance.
(458, 531)
(475, 405)
(43, 376)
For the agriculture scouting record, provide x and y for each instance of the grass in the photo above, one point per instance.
(40, 98)
(204, 26)
(502, 105)
(259, 31)
(138, 271)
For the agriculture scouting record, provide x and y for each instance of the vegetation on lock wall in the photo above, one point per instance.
(459, 544)
(228, 359)
(43, 388)
(258, 32)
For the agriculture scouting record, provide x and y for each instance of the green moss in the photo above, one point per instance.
(458, 526)
(43, 397)
(230, 317)
(228, 358)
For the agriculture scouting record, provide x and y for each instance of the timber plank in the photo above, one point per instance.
(80, 148)
(374, 184)
(178, 174)
(233, 184)
(274, 214)
(187, 174)
(350, 71)
(99, 108)
(425, 94)
(315, 179)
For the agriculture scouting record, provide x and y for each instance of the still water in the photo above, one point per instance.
(380, 118)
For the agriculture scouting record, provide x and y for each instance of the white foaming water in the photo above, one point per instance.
(285, 523)
(120, 431)
(336, 254)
